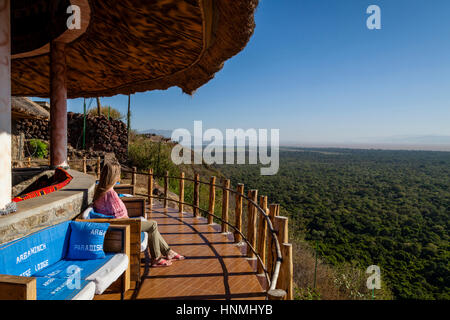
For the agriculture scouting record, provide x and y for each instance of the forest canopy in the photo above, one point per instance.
(388, 208)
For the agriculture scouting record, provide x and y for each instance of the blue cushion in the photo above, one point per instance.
(96, 215)
(30, 254)
(60, 270)
(57, 289)
(86, 240)
(96, 182)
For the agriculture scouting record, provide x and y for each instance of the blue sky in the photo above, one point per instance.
(314, 71)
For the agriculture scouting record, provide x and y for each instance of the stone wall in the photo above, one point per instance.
(101, 134)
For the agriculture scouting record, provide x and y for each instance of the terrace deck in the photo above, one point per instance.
(215, 268)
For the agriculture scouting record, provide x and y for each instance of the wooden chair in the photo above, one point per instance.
(135, 206)
(136, 211)
(125, 189)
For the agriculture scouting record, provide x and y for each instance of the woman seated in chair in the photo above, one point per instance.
(108, 202)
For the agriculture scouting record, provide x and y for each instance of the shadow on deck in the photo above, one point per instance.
(215, 267)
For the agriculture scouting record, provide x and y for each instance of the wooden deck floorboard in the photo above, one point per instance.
(215, 268)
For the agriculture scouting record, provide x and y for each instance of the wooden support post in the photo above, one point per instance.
(58, 104)
(225, 204)
(281, 227)
(262, 234)
(17, 288)
(238, 212)
(166, 189)
(285, 279)
(5, 104)
(84, 165)
(262, 200)
(276, 294)
(29, 162)
(99, 170)
(150, 189)
(212, 199)
(196, 194)
(133, 176)
(271, 244)
(181, 197)
(251, 222)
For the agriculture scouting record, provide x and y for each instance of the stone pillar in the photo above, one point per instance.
(58, 105)
(5, 104)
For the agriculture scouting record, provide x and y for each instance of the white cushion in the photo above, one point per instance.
(87, 293)
(144, 242)
(110, 272)
(85, 214)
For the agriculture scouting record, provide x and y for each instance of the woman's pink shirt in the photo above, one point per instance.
(111, 204)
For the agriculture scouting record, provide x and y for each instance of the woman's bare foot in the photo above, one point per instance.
(172, 255)
(161, 262)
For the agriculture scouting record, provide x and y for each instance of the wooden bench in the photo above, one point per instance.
(117, 240)
(135, 244)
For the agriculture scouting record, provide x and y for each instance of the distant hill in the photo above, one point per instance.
(399, 142)
(429, 139)
(164, 133)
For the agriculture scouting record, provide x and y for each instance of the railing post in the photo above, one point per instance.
(225, 204)
(181, 197)
(84, 165)
(281, 227)
(285, 281)
(212, 199)
(133, 176)
(276, 294)
(238, 213)
(99, 170)
(251, 222)
(166, 188)
(271, 244)
(196, 194)
(150, 189)
(262, 228)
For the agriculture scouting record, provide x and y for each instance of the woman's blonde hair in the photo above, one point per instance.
(108, 177)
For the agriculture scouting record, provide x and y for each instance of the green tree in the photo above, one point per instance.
(113, 113)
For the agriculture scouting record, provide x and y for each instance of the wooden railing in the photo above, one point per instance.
(273, 253)
(26, 163)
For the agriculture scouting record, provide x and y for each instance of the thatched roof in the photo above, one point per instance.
(139, 45)
(25, 108)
